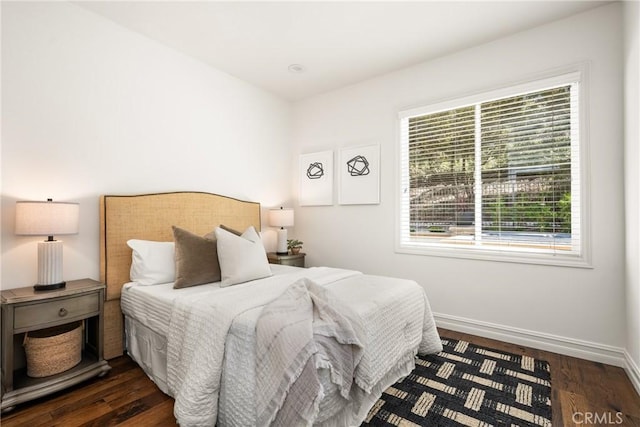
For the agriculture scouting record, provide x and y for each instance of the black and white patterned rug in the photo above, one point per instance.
(467, 385)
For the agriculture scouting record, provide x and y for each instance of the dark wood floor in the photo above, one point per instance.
(597, 394)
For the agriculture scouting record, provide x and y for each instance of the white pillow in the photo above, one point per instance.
(152, 263)
(242, 258)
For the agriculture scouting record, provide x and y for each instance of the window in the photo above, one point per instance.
(496, 176)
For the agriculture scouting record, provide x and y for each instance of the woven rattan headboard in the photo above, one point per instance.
(150, 217)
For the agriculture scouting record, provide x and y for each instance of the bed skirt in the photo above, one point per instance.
(149, 350)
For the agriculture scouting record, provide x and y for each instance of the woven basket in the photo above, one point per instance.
(53, 350)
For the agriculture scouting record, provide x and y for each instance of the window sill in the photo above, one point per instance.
(496, 255)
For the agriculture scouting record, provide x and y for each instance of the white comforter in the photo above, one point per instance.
(398, 322)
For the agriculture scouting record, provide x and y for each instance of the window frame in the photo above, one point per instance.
(520, 255)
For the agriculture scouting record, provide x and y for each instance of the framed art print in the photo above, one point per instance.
(316, 179)
(359, 172)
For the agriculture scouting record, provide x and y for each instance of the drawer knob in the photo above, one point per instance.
(63, 312)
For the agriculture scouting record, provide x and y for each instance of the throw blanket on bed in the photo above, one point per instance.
(296, 334)
(196, 340)
(396, 319)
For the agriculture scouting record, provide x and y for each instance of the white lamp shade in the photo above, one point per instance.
(47, 218)
(281, 217)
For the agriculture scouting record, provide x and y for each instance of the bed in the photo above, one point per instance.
(217, 349)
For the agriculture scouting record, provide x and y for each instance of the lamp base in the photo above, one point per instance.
(50, 263)
(49, 287)
(281, 247)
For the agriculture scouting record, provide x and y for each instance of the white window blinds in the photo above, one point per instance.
(495, 174)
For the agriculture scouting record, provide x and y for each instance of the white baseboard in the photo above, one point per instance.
(568, 346)
(610, 355)
(632, 371)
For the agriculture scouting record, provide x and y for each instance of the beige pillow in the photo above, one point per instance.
(242, 258)
(196, 259)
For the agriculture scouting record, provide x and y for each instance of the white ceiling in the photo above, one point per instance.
(338, 43)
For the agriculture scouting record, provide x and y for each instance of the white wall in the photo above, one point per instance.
(90, 108)
(558, 306)
(632, 182)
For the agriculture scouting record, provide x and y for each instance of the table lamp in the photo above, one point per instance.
(48, 219)
(281, 218)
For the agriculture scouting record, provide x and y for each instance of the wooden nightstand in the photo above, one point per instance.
(296, 260)
(24, 310)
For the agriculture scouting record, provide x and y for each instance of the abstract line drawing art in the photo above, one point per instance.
(358, 166)
(359, 175)
(315, 170)
(316, 179)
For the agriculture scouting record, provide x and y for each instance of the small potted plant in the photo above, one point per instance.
(294, 246)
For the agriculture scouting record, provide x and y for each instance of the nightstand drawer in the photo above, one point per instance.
(295, 262)
(40, 314)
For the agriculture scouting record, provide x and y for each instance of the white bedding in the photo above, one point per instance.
(152, 305)
(396, 314)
